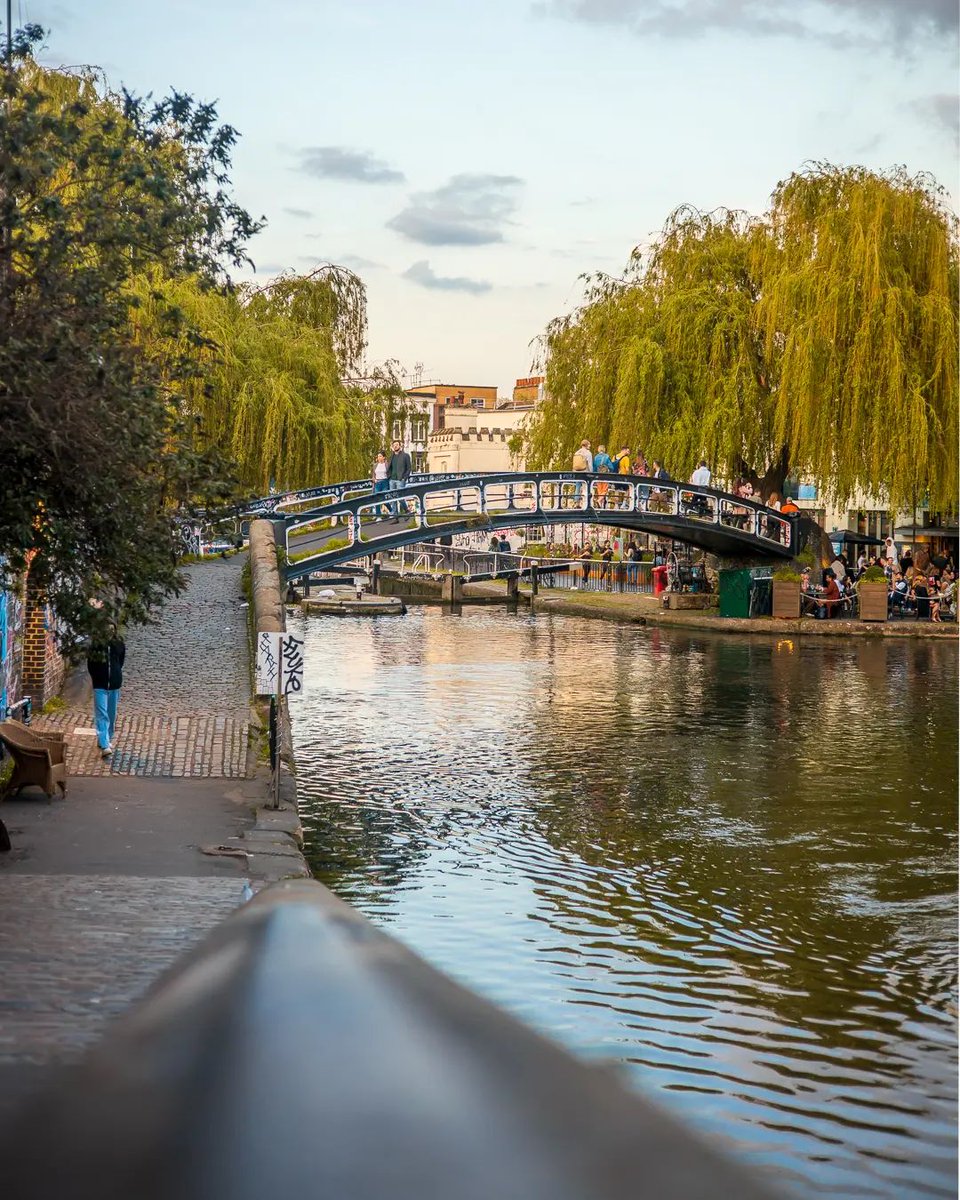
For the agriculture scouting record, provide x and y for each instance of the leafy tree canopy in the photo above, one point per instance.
(96, 445)
(137, 385)
(273, 371)
(818, 339)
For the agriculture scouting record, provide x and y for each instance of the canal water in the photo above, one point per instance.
(726, 863)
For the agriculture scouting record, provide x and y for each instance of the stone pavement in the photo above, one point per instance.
(105, 888)
(184, 708)
(151, 743)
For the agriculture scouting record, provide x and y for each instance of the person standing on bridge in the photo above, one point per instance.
(603, 465)
(399, 470)
(380, 481)
(582, 461)
(701, 476)
(622, 466)
(105, 665)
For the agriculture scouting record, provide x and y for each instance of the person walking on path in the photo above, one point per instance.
(399, 470)
(105, 664)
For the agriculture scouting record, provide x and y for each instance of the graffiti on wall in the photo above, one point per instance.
(13, 618)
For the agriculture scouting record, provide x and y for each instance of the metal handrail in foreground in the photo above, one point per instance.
(301, 1052)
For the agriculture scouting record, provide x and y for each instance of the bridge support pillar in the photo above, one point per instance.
(451, 591)
(513, 586)
(534, 580)
(375, 578)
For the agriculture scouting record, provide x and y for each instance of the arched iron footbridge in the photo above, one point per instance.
(326, 527)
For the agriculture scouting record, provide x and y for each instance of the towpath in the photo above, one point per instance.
(105, 888)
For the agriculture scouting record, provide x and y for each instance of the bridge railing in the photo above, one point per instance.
(332, 493)
(468, 500)
(543, 491)
(594, 575)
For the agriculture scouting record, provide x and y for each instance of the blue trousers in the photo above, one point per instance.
(397, 485)
(382, 485)
(105, 714)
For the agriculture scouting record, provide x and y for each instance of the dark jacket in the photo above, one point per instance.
(105, 664)
(399, 466)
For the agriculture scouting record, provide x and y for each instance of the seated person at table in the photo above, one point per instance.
(948, 593)
(922, 597)
(897, 597)
(808, 594)
(936, 599)
(831, 596)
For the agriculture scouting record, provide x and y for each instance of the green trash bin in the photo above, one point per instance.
(735, 592)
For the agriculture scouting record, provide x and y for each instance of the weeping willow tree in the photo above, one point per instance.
(275, 384)
(820, 339)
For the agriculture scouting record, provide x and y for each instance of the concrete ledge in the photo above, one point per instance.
(415, 589)
(691, 601)
(268, 611)
(647, 610)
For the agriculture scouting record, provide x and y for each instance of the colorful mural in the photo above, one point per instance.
(13, 617)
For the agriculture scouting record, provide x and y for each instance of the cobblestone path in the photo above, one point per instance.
(183, 709)
(106, 888)
(77, 950)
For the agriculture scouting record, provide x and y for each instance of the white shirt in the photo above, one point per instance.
(379, 471)
(701, 477)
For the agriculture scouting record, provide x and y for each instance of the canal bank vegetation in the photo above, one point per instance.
(820, 339)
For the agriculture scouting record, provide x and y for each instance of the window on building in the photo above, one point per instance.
(397, 435)
(419, 460)
(476, 402)
(878, 522)
(418, 429)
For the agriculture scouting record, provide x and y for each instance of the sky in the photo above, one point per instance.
(471, 161)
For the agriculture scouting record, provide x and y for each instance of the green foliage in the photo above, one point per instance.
(807, 558)
(95, 435)
(872, 575)
(819, 339)
(787, 575)
(275, 380)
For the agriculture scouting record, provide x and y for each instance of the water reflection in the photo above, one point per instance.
(728, 863)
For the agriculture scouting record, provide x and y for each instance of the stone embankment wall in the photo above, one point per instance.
(265, 584)
(278, 831)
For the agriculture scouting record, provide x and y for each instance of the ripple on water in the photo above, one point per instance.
(727, 865)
